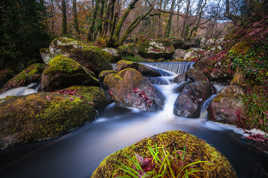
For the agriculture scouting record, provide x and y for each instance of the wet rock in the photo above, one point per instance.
(130, 89)
(188, 103)
(196, 75)
(180, 78)
(63, 72)
(31, 74)
(156, 49)
(145, 70)
(47, 115)
(228, 106)
(172, 142)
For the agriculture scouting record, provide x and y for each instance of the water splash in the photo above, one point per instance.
(21, 91)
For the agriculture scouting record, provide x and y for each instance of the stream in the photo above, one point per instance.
(77, 154)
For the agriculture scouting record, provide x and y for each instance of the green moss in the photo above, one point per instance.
(172, 141)
(240, 48)
(104, 73)
(62, 63)
(48, 115)
(93, 58)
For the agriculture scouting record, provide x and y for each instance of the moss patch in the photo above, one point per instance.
(172, 141)
(63, 72)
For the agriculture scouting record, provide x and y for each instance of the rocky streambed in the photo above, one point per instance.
(102, 108)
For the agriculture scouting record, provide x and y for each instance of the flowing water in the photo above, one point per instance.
(77, 154)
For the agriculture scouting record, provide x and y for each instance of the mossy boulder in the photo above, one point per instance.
(93, 58)
(63, 46)
(228, 106)
(173, 142)
(156, 49)
(129, 49)
(63, 72)
(5, 75)
(146, 71)
(130, 89)
(47, 115)
(188, 103)
(29, 75)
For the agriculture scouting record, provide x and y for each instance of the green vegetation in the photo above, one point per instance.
(161, 164)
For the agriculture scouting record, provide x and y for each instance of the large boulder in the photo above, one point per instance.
(217, 67)
(29, 75)
(47, 115)
(188, 103)
(92, 57)
(156, 49)
(146, 71)
(130, 89)
(63, 72)
(5, 75)
(180, 151)
(196, 75)
(228, 106)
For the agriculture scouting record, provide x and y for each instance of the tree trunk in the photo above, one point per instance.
(168, 27)
(76, 24)
(183, 32)
(92, 29)
(133, 25)
(64, 17)
(122, 19)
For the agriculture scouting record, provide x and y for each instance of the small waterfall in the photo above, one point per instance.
(173, 67)
(204, 112)
(21, 91)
